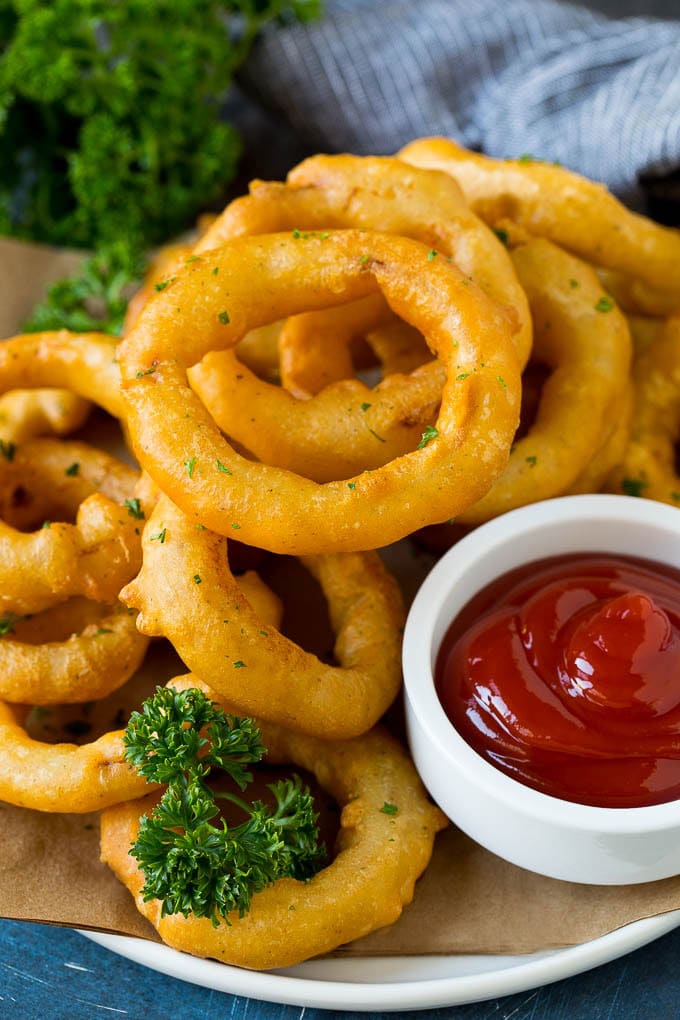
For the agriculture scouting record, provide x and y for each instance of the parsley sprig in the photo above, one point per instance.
(193, 861)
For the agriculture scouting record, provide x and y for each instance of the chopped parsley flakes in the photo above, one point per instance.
(134, 509)
(389, 809)
(430, 433)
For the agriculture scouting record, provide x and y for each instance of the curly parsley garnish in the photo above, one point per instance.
(193, 861)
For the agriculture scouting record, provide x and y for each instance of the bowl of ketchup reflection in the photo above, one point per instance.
(542, 676)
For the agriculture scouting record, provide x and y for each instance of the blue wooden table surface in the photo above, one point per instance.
(56, 974)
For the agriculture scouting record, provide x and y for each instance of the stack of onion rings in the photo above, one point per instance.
(580, 215)
(351, 264)
(453, 470)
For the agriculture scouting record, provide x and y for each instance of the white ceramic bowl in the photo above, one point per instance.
(579, 843)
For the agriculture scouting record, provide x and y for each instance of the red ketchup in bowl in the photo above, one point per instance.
(565, 674)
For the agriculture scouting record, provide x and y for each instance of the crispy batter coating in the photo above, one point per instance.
(221, 636)
(46, 483)
(102, 649)
(589, 353)
(63, 778)
(649, 467)
(82, 363)
(28, 413)
(262, 279)
(555, 203)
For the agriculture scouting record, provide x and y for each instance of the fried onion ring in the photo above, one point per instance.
(379, 856)
(46, 480)
(589, 352)
(611, 454)
(649, 466)
(346, 429)
(564, 207)
(263, 279)
(100, 654)
(63, 778)
(82, 363)
(28, 413)
(221, 637)
(258, 350)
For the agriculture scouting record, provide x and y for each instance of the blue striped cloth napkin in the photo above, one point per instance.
(600, 95)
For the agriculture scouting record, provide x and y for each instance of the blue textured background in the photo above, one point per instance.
(57, 974)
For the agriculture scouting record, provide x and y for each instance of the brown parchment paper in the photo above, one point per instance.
(468, 901)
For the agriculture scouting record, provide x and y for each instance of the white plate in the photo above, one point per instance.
(394, 983)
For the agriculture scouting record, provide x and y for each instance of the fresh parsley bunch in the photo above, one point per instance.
(110, 126)
(193, 862)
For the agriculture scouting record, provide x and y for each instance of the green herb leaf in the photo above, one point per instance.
(389, 809)
(8, 622)
(193, 861)
(8, 450)
(134, 508)
(428, 435)
(634, 486)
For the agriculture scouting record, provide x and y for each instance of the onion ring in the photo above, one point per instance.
(63, 778)
(649, 465)
(88, 665)
(222, 639)
(258, 350)
(271, 277)
(346, 429)
(379, 193)
(589, 352)
(47, 479)
(565, 208)
(28, 413)
(82, 363)
(365, 887)
(611, 453)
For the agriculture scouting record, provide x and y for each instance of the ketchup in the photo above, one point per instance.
(565, 675)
